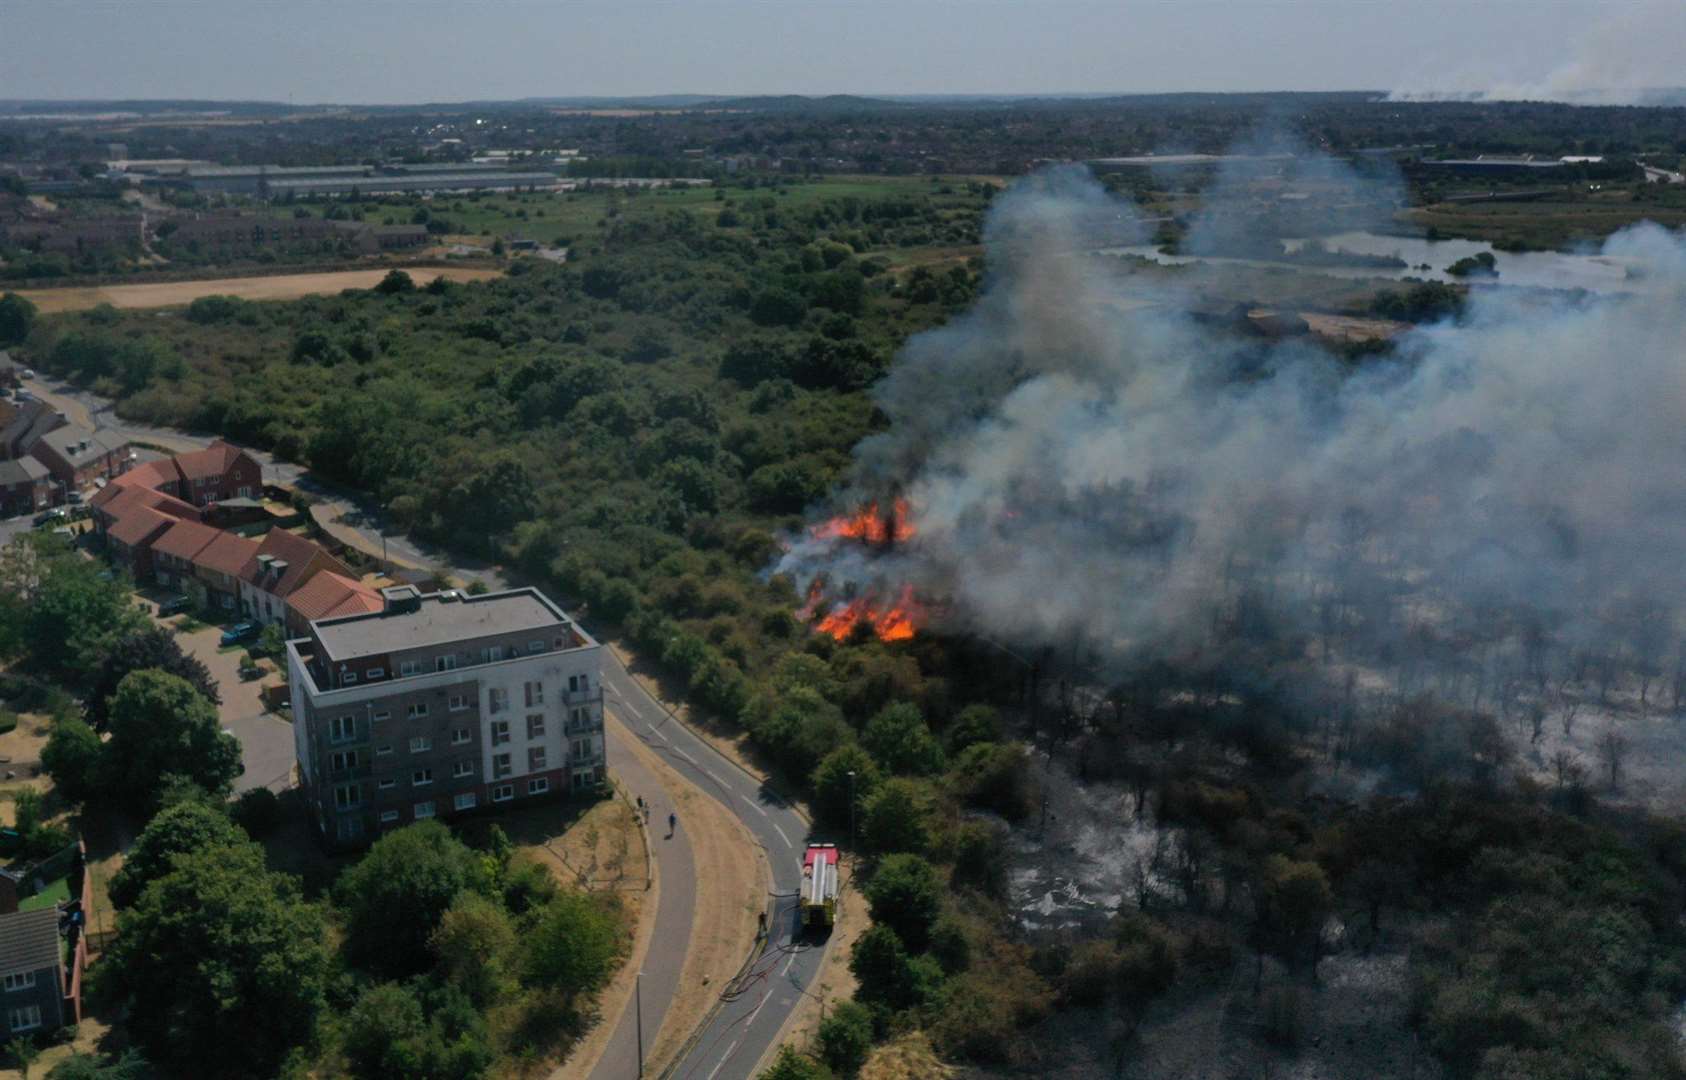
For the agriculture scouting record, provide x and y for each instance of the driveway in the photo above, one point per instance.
(266, 740)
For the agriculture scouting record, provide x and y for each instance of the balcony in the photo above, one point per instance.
(582, 697)
(341, 776)
(585, 727)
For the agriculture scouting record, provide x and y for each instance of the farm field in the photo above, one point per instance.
(271, 287)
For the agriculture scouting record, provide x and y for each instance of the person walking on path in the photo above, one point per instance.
(672, 824)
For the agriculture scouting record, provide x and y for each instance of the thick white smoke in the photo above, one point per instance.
(1627, 54)
(1079, 464)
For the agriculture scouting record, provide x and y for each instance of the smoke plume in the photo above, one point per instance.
(1081, 464)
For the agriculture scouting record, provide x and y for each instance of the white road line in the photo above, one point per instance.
(780, 831)
(787, 964)
(711, 776)
(682, 754)
(727, 1056)
(751, 1021)
(758, 808)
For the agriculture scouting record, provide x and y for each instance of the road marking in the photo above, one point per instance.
(780, 831)
(687, 757)
(711, 776)
(755, 804)
(727, 1056)
(787, 964)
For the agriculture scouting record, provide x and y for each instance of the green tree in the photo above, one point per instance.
(395, 896)
(183, 829)
(70, 613)
(412, 1033)
(845, 1038)
(160, 725)
(896, 818)
(396, 281)
(905, 894)
(72, 757)
(832, 785)
(898, 739)
(219, 944)
(23, 1052)
(974, 724)
(573, 945)
(17, 316)
(475, 944)
(129, 1066)
(149, 646)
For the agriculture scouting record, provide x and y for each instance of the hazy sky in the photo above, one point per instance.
(379, 51)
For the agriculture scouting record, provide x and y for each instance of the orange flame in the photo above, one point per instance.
(894, 621)
(868, 525)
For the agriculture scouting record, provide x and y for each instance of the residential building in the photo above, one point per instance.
(130, 519)
(440, 704)
(326, 595)
(218, 566)
(220, 471)
(39, 990)
(76, 456)
(25, 487)
(23, 423)
(174, 550)
(282, 563)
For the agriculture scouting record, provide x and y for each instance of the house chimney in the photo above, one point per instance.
(279, 566)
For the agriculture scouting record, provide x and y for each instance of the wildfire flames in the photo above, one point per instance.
(869, 526)
(891, 618)
(894, 614)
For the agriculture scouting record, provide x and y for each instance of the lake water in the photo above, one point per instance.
(1535, 269)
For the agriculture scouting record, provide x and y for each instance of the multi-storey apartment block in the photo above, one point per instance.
(442, 704)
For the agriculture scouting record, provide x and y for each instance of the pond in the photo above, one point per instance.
(1535, 269)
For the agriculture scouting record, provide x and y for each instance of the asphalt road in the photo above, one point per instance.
(750, 1012)
(754, 1009)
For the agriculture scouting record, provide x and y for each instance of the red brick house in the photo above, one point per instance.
(217, 566)
(77, 457)
(173, 551)
(25, 487)
(220, 471)
(283, 563)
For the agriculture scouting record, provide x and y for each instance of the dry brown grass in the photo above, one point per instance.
(267, 287)
(907, 1058)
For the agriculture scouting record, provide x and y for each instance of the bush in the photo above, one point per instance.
(258, 811)
(905, 894)
(846, 1038)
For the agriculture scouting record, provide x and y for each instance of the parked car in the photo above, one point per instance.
(173, 605)
(29, 373)
(239, 632)
(47, 517)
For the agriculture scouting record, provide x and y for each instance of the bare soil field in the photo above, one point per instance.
(269, 287)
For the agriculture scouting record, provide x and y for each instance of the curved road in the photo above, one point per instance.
(753, 1009)
(750, 1012)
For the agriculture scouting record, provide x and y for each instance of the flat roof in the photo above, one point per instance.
(437, 621)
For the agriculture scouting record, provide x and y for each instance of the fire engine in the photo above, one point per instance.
(819, 886)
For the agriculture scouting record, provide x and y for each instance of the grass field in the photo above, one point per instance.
(547, 216)
(1550, 225)
(267, 287)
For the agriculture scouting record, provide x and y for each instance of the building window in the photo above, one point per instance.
(497, 700)
(491, 653)
(23, 980)
(539, 786)
(535, 727)
(445, 663)
(465, 801)
(388, 816)
(461, 737)
(388, 783)
(421, 744)
(501, 766)
(561, 643)
(579, 717)
(344, 759)
(350, 828)
(535, 758)
(421, 778)
(342, 729)
(25, 1018)
(462, 769)
(577, 683)
(459, 702)
(378, 717)
(500, 732)
(424, 810)
(503, 793)
(348, 796)
(535, 694)
(416, 711)
(410, 667)
(347, 678)
(382, 751)
(535, 646)
(582, 749)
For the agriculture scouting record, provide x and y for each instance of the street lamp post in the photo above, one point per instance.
(638, 1000)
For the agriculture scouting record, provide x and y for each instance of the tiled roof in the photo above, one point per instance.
(29, 940)
(329, 593)
(139, 525)
(214, 460)
(22, 471)
(296, 552)
(227, 554)
(78, 446)
(185, 539)
(129, 499)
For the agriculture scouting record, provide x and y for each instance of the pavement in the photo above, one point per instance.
(752, 1011)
